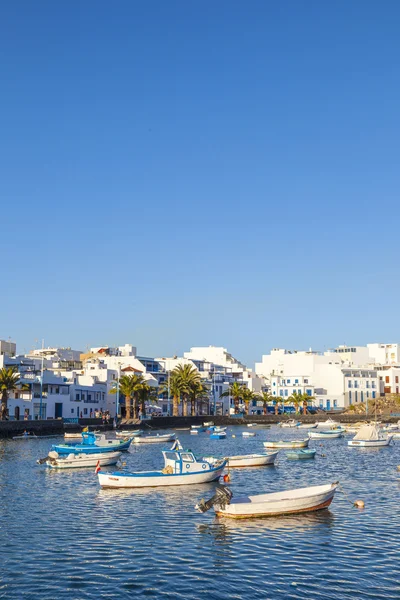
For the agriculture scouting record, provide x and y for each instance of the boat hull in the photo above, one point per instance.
(252, 460)
(291, 444)
(300, 454)
(154, 439)
(87, 449)
(369, 443)
(158, 479)
(272, 505)
(321, 435)
(82, 461)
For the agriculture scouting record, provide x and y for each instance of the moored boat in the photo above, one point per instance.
(287, 444)
(218, 435)
(293, 501)
(126, 433)
(93, 444)
(307, 425)
(73, 461)
(290, 423)
(252, 460)
(154, 439)
(208, 423)
(248, 433)
(328, 424)
(72, 436)
(180, 468)
(370, 436)
(329, 434)
(301, 454)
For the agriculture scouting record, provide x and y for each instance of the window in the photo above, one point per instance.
(281, 392)
(396, 379)
(362, 396)
(373, 385)
(89, 396)
(356, 384)
(387, 379)
(274, 383)
(57, 390)
(349, 383)
(296, 381)
(335, 404)
(309, 392)
(288, 381)
(286, 393)
(299, 391)
(367, 384)
(356, 396)
(306, 381)
(397, 389)
(187, 457)
(72, 411)
(77, 396)
(373, 394)
(349, 397)
(85, 411)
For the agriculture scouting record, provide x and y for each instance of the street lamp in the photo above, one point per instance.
(117, 395)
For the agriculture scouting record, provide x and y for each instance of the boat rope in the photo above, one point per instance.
(357, 503)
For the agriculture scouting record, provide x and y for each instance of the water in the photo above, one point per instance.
(64, 537)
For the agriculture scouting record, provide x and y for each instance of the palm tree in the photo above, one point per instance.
(129, 386)
(266, 397)
(235, 390)
(9, 379)
(185, 378)
(296, 399)
(173, 389)
(247, 396)
(306, 399)
(198, 391)
(144, 395)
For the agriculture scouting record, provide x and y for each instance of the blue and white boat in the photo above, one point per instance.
(181, 467)
(300, 454)
(93, 444)
(218, 435)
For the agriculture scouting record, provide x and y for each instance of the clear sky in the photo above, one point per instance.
(175, 173)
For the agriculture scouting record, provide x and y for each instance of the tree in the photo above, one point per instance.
(296, 399)
(266, 397)
(306, 399)
(144, 395)
(174, 390)
(129, 386)
(185, 378)
(9, 379)
(197, 392)
(247, 397)
(235, 391)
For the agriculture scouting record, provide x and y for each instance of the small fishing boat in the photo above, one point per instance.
(300, 454)
(290, 423)
(126, 433)
(284, 444)
(328, 424)
(72, 436)
(252, 460)
(208, 423)
(218, 435)
(32, 436)
(93, 444)
(294, 501)
(307, 425)
(73, 461)
(154, 439)
(370, 436)
(248, 434)
(197, 429)
(180, 468)
(329, 434)
(251, 424)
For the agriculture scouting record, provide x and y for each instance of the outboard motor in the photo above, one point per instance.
(51, 457)
(222, 497)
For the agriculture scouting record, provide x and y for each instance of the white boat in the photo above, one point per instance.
(330, 434)
(154, 439)
(308, 425)
(290, 423)
(181, 468)
(73, 436)
(208, 423)
(328, 424)
(251, 424)
(125, 433)
(248, 434)
(370, 436)
(71, 461)
(284, 444)
(294, 501)
(252, 460)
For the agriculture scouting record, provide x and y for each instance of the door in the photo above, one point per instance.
(328, 405)
(16, 413)
(58, 410)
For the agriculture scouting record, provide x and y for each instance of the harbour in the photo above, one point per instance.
(113, 542)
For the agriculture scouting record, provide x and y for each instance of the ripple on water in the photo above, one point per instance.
(63, 537)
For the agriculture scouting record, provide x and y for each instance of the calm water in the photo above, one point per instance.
(64, 537)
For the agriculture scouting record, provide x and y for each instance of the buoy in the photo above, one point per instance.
(227, 478)
(359, 503)
(398, 468)
(233, 435)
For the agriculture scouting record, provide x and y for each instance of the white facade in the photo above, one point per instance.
(384, 354)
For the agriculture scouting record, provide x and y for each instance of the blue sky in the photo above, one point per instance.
(175, 174)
